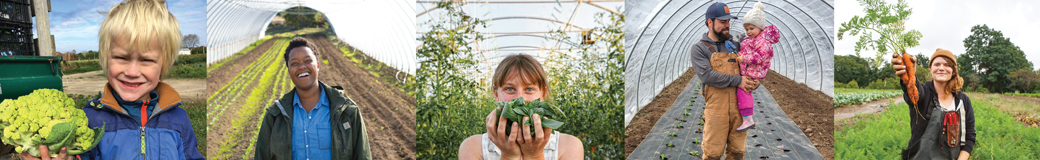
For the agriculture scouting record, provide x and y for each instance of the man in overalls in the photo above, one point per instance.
(714, 60)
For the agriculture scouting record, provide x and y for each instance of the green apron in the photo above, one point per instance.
(931, 145)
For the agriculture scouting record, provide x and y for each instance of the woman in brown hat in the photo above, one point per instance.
(942, 121)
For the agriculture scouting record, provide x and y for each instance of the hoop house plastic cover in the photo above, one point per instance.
(515, 26)
(660, 34)
(382, 29)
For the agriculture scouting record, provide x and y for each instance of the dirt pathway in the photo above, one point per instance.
(90, 83)
(849, 111)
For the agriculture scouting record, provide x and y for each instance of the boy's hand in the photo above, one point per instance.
(497, 133)
(45, 154)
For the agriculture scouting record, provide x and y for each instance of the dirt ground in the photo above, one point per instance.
(812, 110)
(849, 111)
(223, 130)
(389, 113)
(802, 104)
(644, 121)
(215, 79)
(1026, 110)
(90, 83)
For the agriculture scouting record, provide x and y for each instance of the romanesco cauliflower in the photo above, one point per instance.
(47, 117)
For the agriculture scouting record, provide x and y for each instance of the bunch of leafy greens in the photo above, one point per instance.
(516, 109)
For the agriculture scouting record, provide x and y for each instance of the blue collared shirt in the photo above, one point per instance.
(311, 138)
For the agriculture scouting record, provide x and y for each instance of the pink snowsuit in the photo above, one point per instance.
(757, 53)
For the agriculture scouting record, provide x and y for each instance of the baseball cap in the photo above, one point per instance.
(718, 11)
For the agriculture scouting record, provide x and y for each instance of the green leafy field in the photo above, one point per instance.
(1024, 94)
(850, 96)
(884, 135)
(79, 66)
(270, 74)
(189, 66)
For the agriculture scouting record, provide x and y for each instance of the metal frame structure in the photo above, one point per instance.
(382, 29)
(505, 38)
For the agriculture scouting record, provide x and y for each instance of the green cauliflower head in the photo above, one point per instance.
(48, 117)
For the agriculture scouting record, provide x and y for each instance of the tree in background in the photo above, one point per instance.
(991, 58)
(320, 20)
(303, 17)
(190, 41)
(91, 54)
(885, 21)
(852, 68)
(1025, 79)
(922, 60)
(198, 50)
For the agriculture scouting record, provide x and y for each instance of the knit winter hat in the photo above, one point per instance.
(956, 82)
(944, 53)
(756, 16)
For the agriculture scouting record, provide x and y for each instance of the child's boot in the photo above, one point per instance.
(748, 124)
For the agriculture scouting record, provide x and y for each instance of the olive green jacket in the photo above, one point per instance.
(348, 141)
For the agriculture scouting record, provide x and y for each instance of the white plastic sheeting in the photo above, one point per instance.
(521, 26)
(383, 29)
(660, 34)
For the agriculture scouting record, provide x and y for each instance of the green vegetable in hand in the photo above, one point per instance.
(516, 109)
(46, 117)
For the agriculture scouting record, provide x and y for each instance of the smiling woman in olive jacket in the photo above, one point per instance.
(313, 121)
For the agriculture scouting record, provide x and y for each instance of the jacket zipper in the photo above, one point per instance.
(144, 120)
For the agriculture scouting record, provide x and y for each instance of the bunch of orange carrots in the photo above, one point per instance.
(910, 77)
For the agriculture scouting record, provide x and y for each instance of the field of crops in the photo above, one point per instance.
(884, 135)
(189, 66)
(237, 107)
(1037, 95)
(79, 66)
(244, 84)
(849, 96)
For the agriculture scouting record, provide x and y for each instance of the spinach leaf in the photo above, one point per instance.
(515, 110)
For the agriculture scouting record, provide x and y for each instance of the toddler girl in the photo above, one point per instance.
(755, 53)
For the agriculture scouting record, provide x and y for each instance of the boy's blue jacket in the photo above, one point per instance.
(167, 133)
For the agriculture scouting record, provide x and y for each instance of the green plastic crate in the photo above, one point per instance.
(20, 75)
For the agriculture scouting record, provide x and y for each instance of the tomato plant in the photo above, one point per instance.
(586, 83)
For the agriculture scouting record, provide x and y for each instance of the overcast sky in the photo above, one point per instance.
(75, 23)
(945, 24)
